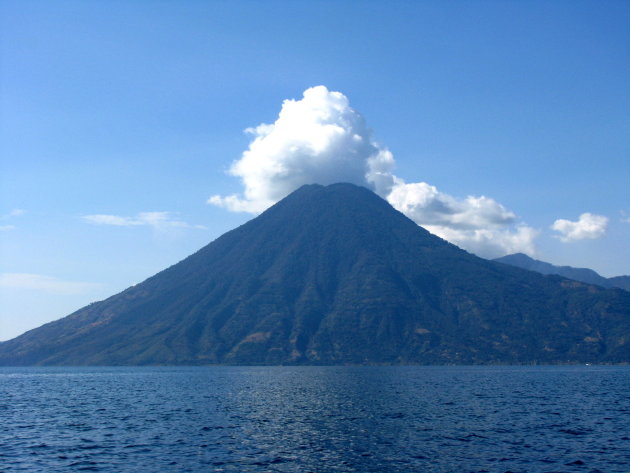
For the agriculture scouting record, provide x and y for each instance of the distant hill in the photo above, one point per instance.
(578, 274)
(620, 281)
(335, 275)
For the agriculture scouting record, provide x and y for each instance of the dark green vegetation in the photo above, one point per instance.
(578, 274)
(336, 275)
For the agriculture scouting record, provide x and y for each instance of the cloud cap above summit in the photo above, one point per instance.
(322, 139)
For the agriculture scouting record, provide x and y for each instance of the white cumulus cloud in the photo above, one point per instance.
(321, 139)
(490, 243)
(157, 220)
(45, 283)
(317, 139)
(478, 224)
(424, 203)
(588, 226)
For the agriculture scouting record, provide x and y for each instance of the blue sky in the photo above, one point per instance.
(136, 111)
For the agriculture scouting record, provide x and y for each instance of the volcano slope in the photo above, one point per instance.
(335, 275)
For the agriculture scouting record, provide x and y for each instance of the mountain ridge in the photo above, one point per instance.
(585, 275)
(335, 275)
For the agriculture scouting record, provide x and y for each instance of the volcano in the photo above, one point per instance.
(335, 275)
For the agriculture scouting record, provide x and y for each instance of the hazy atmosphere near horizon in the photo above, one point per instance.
(134, 133)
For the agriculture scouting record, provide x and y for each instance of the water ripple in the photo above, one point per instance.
(318, 419)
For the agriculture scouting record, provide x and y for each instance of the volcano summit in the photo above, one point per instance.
(335, 275)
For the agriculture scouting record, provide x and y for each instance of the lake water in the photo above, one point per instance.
(315, 419)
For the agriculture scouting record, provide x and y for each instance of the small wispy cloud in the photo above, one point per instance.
(625, 218)
(47, 284)
(157, 220)
(10, 215)
(14, 213)
(588, 226)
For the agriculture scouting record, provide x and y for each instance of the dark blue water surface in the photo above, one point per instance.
(315, 419)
